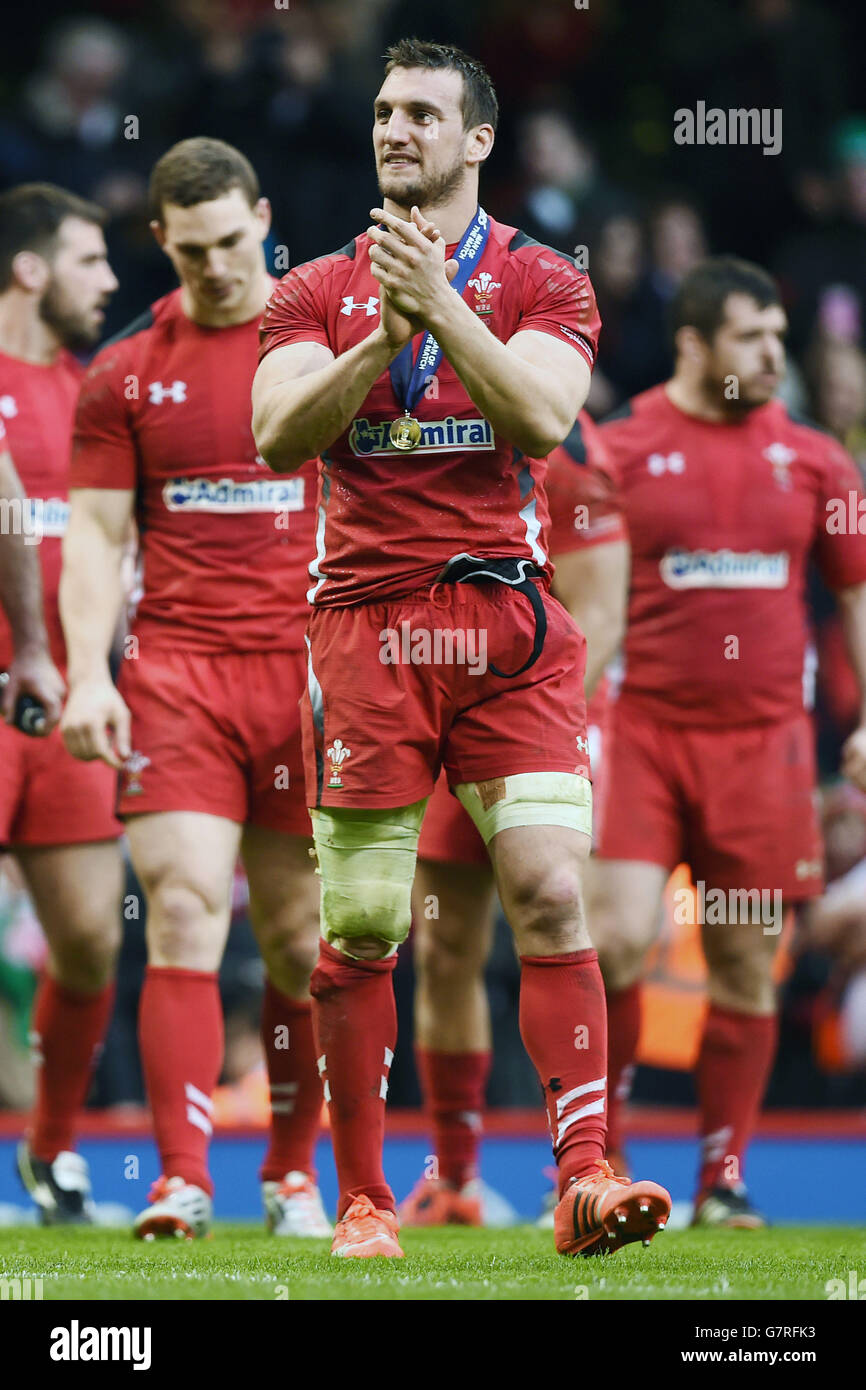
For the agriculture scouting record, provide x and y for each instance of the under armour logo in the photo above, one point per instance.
(8, 407)
(665, 463)
(369, 305)
(159, 393)
(583, 745)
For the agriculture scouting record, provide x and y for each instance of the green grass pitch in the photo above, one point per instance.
(242, 1262)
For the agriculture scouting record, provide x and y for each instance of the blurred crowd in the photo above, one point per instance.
(584, 161)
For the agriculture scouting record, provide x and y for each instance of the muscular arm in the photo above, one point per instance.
(530, 388)
(592, 584)
(304, 397)
(91, 593)
(32, 672)
(852, 604)
(20, 574)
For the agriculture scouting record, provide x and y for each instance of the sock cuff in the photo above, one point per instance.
(634, 990)
(329, 955)
(739, 1016)
(77, 997)
(177, 972)
(285, 1001)
(585, 957)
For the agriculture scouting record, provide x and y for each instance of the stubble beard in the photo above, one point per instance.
(68, 324)
(429, 192)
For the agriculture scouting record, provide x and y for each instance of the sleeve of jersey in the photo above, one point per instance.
(295, 312)
(103, 449)
(840, 546)
(581, 492)
(559, 300)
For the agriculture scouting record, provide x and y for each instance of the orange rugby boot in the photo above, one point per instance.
(433, 1202)
(599, 1213)
(366, 1231)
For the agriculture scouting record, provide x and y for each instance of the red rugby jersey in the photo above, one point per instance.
(37, 404)
(584, 512)
(389, 521)
(581, 494)
(165, 410)
(722, 520)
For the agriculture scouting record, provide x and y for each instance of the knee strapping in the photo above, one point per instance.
(528, 798)
(367, 865)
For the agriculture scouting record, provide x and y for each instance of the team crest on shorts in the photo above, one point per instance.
(135, 763)
(337, 753)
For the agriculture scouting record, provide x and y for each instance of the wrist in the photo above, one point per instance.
(32, 643)
(386, 347)
(88, 673)
(443, 309)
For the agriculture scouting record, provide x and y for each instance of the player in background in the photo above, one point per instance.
(454, 896)
(204, 723)
(31, 670)
(55, 815)
(431, 516)
(710, 752)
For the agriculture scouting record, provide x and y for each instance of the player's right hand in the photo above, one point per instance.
(95, 723)
(399, 329)
(32, 672)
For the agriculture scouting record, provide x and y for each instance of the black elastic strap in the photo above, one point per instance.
(469, 569)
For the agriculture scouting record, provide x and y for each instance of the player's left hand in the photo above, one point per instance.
(408, 259)
(854, 758)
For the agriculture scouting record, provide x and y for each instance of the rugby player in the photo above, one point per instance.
(710, 751)
(31, 670)
(454, 897)
(204, 723)
(430, 362)
(55, 815)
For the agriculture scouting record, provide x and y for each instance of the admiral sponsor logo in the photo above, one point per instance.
(49, 515)
(724, 569)
(437, 437)
(228, 495)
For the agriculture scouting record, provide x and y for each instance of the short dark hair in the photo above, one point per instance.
(197, 171)
(479, 105)
(31, 216)
(699, 302)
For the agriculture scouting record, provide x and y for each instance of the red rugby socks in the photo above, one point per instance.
(67, 1033)
(180, 1034)
(453, 1086)
(296, 1091)
(734, 1065)
(623, 1032)
(355, 1024)
(563, 1023)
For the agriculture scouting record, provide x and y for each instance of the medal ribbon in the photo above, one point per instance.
(409, 378)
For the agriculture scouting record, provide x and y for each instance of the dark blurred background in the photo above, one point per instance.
(90, 96)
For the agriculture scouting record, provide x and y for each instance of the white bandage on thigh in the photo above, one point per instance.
(528, 798)
(367, 865)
